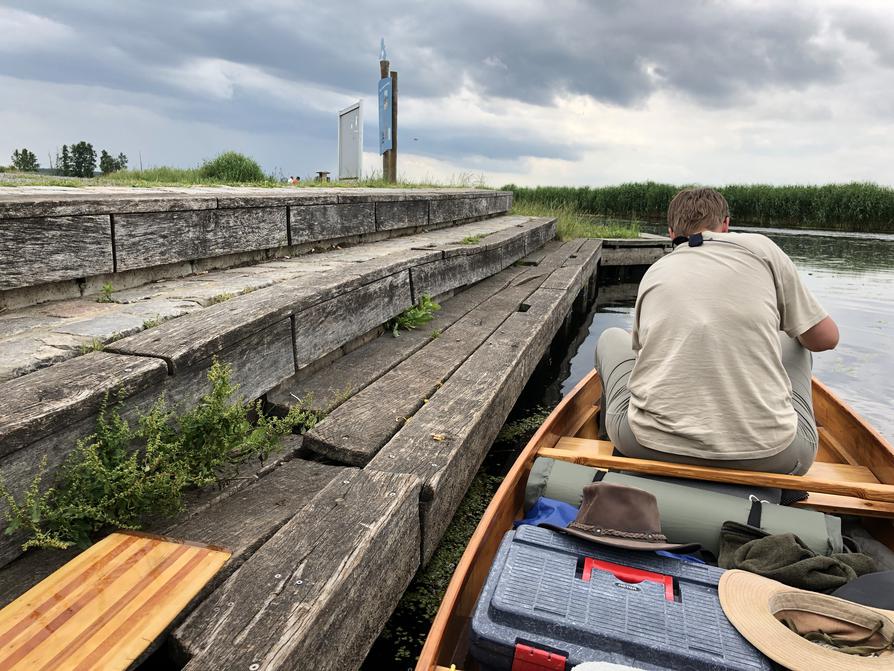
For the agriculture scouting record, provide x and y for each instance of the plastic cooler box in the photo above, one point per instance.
(552, 601)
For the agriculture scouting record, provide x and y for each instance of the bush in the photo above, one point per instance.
(122, 475)
(232, 166)
(25, 160)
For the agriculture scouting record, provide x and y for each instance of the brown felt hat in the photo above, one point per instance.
(757, 607)
(623, 517)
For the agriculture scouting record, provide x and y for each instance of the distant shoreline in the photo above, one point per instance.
(855, 208)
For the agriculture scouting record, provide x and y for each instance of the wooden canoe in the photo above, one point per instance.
(854, 475)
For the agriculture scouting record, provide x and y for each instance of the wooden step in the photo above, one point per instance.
(447, 439)
(107, 605)
(355, 431)
(317, 593)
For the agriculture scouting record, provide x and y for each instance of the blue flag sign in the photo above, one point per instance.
(385, 140)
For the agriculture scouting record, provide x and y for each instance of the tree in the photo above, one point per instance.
(25, 160)
(64, 162)
(83, 159)
(106, 162)
(109, 164)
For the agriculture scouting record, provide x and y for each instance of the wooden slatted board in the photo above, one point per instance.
(106, 606)
(834, 477)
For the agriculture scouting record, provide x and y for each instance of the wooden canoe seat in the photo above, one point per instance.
(833, 487)
(106, 606)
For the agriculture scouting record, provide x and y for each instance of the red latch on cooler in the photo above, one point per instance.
(529, 658)
(630, 575)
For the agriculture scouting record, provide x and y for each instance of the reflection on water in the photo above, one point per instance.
(853, 277)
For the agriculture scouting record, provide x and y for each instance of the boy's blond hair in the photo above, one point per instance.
(694, 210)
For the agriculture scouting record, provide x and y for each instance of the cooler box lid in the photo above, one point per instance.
(576, 601)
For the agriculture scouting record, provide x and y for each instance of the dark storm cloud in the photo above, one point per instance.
(718, 54)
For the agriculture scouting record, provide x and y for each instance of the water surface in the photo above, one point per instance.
(852, 275)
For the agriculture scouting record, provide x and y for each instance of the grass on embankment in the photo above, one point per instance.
(571, 223)
(858, 206)
(166, 176)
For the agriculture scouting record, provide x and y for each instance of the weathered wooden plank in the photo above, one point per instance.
(356, 430)
(35, 251)
(449, 436)
(645, 240)
(500, 203)
(457, 209)
(263, 197)
(258, 363)
(309, 223)
(156, 238)
(43, 402)
(391, 215)
(471, 263)
(320, 590)
(320, 329)
(444, 274)
(97, 202)
(246, 520)
(346, 376)
(197, 336)
(633, 256)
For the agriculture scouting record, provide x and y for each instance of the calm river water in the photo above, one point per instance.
(852, 275)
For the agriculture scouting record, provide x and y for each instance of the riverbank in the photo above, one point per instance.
(855, 207)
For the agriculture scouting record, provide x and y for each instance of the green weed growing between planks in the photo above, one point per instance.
(414, 317)
(122, 475)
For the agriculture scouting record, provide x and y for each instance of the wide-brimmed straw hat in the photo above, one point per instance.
(622, 517)
(759, 608)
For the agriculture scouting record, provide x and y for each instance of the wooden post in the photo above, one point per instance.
(386, 157)
(392, 155)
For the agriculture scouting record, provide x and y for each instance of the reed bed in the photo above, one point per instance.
(859, 206)
(571, 223)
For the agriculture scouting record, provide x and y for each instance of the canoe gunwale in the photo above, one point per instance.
(861, 443)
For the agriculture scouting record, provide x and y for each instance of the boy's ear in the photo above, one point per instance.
(670, 232)
(724, 227)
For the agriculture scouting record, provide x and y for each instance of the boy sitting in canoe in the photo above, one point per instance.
(717, 370)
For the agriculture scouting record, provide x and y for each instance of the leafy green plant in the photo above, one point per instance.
(220, 298)
(95, 345)
(415, 316)
(152, 323)
(523, 427)
(232, 166)
(105, 294)
(120, 476)
(471, 239)
(435, 334)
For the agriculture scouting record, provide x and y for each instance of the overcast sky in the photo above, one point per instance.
(549, 92)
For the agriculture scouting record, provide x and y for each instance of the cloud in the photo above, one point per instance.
(523, 90)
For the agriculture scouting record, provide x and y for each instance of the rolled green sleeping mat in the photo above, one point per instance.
(690, 514)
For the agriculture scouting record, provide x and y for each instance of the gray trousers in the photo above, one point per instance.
(614, 361)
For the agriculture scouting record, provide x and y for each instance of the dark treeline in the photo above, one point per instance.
(844, 207)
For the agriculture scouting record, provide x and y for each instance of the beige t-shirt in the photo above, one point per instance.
(708, 380)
